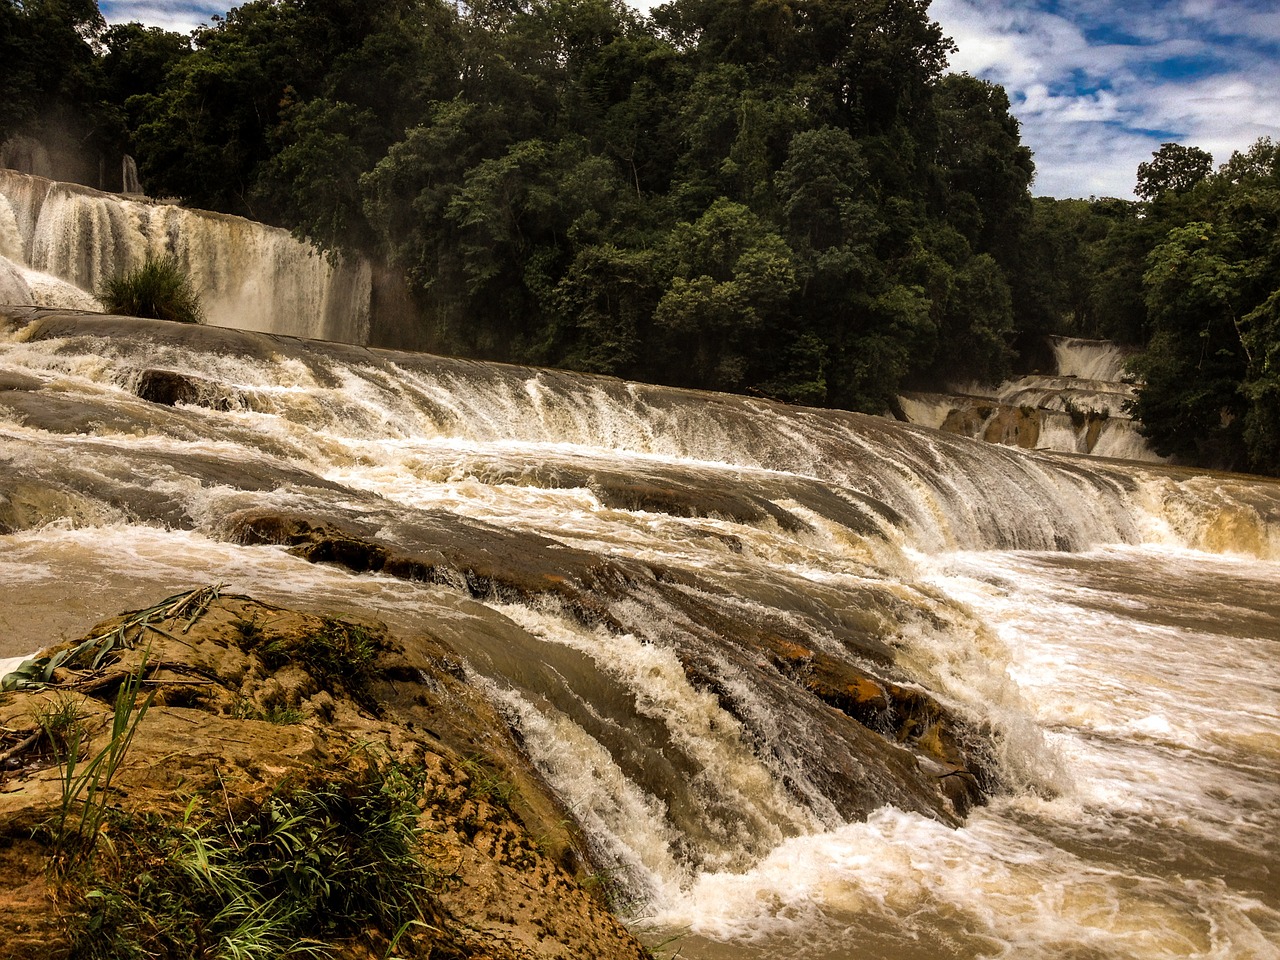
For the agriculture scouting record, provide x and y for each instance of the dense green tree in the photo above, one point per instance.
(312, 179)
(788, 197)
(732, 274)
(988, 171)
(1210, 393)
(135, 61)
(1260, 336)
(52, 89)
(1059, 273)
(1173, 169)
(211, 133)
(607, 299)
(1190, 404)
(49, 67)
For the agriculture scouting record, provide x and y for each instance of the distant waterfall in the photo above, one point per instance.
(129, 182)
(1090, 359)
(1081, 409)
(60, 242)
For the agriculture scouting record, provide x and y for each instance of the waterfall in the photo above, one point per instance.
(768, 656)
(1082, 408)
(129, 182)
(67, 240)
(1090, 359)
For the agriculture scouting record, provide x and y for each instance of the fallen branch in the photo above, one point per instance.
(92, 684)
(20, 747)
(167, 635)
(194, 603)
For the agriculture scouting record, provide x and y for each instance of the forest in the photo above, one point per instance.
(787, 198)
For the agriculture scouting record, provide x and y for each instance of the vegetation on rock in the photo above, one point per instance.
(149, 809)
(159, 289)
(313, 863)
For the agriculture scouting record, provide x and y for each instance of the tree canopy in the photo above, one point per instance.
(1191, 275)
(792, 199)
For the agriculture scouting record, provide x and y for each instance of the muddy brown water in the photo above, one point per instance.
(1113, 628)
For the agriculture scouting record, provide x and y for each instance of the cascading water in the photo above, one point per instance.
(1083, 408)
(1090, 359)
(59, 242)
(679, 598)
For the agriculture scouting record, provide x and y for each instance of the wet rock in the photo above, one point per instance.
(949, 751)
(171, 388)
(12, 380)
(443, 548)
(996, 423)
(218, 740)
(863, 754)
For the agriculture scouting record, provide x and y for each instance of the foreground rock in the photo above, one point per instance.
(253, 706)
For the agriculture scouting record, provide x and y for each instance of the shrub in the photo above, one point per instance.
(312, 866)
(159, 289)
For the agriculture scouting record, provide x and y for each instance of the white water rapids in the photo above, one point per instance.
(1115, 629)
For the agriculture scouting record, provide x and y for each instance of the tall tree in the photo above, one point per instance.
(1172, 170)
(1212, 392)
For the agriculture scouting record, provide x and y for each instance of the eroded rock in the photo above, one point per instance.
(249, 698)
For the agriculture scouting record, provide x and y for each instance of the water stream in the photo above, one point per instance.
(621, 566)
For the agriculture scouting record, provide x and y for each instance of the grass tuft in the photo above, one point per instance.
(339, 653)
(310, 866)
(86, 779)
(159, 289)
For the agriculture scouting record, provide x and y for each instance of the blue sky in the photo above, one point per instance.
(1097, 84)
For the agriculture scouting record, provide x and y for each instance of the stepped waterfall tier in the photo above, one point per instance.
(1082, 407)
(60, 242)
(809, 683)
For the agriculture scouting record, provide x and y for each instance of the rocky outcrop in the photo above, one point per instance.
(249, 702)
(924, 757)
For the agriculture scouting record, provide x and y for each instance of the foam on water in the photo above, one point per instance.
(902, 886)
(1131, 691)
(1162, 840)
(694, 718)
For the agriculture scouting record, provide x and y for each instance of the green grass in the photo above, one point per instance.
(311, 865)
(85, 780)
(159, 289)
(62, 726)
(334, 858)
(279, 714)
(485, 783)
(340, 655)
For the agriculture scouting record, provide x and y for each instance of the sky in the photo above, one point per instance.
(1098, 85)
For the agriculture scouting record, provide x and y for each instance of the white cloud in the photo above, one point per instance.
(1095, 86)
(181, 16)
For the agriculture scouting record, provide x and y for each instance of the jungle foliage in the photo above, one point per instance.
(787, 198)
(1191, 275)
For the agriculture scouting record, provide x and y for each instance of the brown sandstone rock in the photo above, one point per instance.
(207, 740)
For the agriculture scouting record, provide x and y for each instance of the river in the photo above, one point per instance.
(609, 558)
